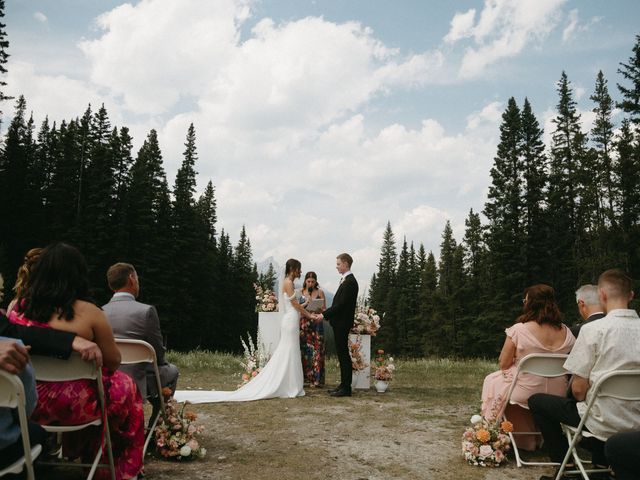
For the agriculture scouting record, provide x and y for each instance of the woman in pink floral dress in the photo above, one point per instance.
(312, 345)
(58, 297)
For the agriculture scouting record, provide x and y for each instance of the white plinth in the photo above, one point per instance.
(269, 331)
(361, 377)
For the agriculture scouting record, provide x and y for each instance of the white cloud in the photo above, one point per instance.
(570, 29)
(504, 29)
(41, 17)
(461, 26)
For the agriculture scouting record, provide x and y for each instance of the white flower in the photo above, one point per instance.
(185, 451)
(203, 452)
(476, 419)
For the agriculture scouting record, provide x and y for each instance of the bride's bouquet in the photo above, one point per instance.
(266, 300)
(366, 321)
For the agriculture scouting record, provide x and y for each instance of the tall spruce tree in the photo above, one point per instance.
(630, 103)
(380, 292)
(4, 57)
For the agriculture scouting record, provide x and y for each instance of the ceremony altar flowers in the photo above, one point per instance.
(383, 366)
(267, 300)
(486, 443)
(366, 321)
(357, 362)
(176, 433)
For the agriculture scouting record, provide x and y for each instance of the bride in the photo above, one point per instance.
(282, 375)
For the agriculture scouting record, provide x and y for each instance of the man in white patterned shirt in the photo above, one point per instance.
(609, 344)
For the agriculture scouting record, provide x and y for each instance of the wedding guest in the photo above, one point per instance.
(538, 330)
(622, 451)
(312, 344)
(588, 306)
(138, 321)
(58, 297)
(22, 277)
(14, 358)
(610, 343)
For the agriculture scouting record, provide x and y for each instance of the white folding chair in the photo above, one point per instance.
(547, 365)
(49, 369)
(139, 351)
(620, 384)
(12, 396)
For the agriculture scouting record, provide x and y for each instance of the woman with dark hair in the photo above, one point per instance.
(539, 329)
(58, 297)
(312, 332)
(282, 376)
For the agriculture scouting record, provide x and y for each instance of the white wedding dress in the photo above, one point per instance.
(281, 377)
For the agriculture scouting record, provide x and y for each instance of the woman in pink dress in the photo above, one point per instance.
(58, 297)
(539, 330)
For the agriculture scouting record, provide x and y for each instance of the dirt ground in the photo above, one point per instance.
(368, 436)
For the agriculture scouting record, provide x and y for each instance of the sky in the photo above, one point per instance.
(320, 121)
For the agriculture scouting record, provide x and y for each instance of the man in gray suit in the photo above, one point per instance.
(132, 319)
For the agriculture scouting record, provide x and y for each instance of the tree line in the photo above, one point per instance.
(78, 181)
(558, 214)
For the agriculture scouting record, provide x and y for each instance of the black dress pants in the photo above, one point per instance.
(623, 453)
(341, 333)
(549, 411)
(13, 452)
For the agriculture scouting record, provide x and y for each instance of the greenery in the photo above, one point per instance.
(558, 214)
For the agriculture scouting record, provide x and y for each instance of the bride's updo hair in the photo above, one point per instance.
(292, 265)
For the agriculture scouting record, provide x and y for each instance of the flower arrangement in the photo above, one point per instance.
(383, 366)
(176, 433)
(486, 443)
(267, 300)
(253, 358)
(366, 321)
(357, 362)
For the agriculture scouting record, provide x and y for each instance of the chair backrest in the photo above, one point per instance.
(543, 364)
(48, 369)
(135, 351)
(622, 384)
(11, 390)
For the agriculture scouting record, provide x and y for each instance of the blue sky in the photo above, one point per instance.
(319, 121)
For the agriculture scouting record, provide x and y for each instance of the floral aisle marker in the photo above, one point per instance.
(486, 443)
(176, 433)
(266, 300)
(254, 358)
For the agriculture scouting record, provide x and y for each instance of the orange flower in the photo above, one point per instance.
(506, 426)
(380, 352)
(190, 416)
(483, 435)
(166, 392)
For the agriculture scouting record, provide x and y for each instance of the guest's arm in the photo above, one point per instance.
(507, 354)
(13, 355)
(103, 336)
(43, 341)
(154, 336)
(579, 387)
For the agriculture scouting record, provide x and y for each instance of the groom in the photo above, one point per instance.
(340, 316)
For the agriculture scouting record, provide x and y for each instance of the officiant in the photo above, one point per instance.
(312, 344)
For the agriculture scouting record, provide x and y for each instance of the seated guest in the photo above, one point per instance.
(623, 450)
(539, 330)
(610, 343)
(14, 358)
(138, 321)
(588, 306)
(22, 277)
(312, 333)
(58, 297)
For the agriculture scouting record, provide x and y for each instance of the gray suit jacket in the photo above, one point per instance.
(132, 319)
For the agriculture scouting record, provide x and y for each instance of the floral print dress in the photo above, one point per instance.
(312, 348)
(76, 402)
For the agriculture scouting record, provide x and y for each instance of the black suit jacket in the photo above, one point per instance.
(576, 328)
(340, 313)
(43, 341)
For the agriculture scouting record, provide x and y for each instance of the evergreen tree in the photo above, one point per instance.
(4, 56)
(380, 292)
(631, 94)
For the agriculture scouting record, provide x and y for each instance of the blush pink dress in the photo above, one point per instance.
(496, 385)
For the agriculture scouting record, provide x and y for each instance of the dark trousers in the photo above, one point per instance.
(548, 412)
(13, 452)
(623, 452)
(341, 333)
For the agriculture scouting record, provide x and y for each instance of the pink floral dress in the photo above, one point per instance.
(76, 402)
